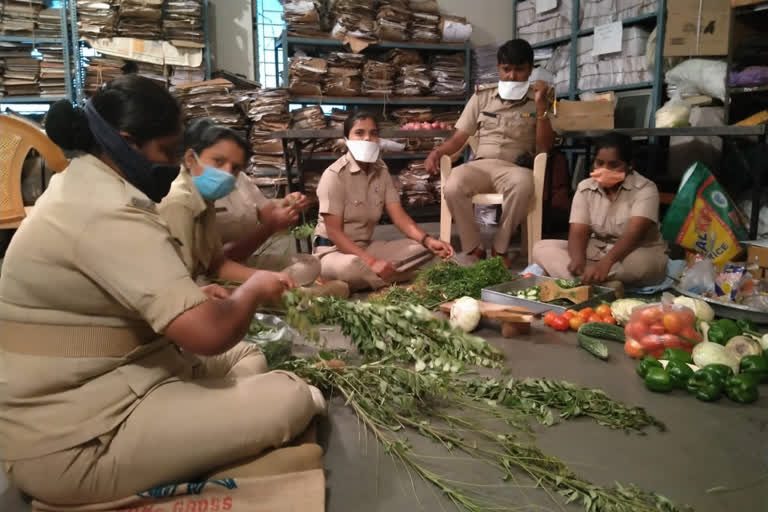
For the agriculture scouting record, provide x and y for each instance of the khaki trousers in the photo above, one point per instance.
(350, 268)
(303, 268)
(225, 410)
(644, 266)
(487, 176)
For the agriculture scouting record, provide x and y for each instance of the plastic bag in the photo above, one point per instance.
(674, 113)
(274, 337)
(703, 218)
(700, 278)
(699, 76)
(656, 327)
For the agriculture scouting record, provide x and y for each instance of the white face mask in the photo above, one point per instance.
(513, 90)
(363, 150)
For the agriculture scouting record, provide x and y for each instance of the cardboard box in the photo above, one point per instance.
(742, 3)
(697, 28)
(757, 252)
(582, 115)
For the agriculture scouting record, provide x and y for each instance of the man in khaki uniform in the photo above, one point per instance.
(511, 124)
(353, 196)
(614, 233)
(96, 402)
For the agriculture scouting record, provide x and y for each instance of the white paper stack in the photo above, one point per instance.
(559, 66)
(96, 19)
(484, 64)
(599, 12)
(614, 69)
(304, 18)
(535, 28)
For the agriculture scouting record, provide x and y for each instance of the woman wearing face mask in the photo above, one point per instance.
(98, 401)
(353, 192)
(614, 233)
(214, 157)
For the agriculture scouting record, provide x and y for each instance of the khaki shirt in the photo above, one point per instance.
(637, 197)
(356, 196)
(505, 129)
(93, 252)
(192, 222)
(237, 214)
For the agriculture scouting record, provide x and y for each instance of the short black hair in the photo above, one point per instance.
(130, 103)
(201, 134)
(357, 116)
(622, 143)
(514, 52)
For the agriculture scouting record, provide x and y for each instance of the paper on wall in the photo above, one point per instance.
(607, 38)
(545, 5)
(153, 52)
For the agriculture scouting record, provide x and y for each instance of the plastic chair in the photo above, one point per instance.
(17, 137)
(530, 230)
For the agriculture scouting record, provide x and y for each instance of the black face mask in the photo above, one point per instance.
(151, 178)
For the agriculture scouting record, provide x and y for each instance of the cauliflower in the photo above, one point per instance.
(701, 309)
(622, 309)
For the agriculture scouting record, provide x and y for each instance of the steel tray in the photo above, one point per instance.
(502, 294)
(732, 311)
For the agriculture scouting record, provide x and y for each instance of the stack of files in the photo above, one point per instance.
(52, 72)
(354, 18)
(140, 19)
(448, 75)
(96, 19)
(484, 64)
(392, 20)
(412, 114)
(551, 24)
(559, 66)
(49, 24)
(417, 186)
(211, 99)
(399, 57)
(155, 72)
(19, 18)
(344, 74)
(378, 78)
(183, 75)
(268, 113)
(101, 70)
(183, 23)
(413, 80)
(303, 18)
(306, 75)
(424, 26)
(312, 118)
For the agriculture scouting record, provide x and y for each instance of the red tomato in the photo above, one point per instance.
(608, 319)
(671, 341)
(575, 323)
(651, 343)
(587, 310)
(651, 315)
(584, 314)
(559, 323)
(633, 349)
(594, 317)
(673, 322)
(568, 315)
(528, 275)
(636, 329)
(603, 310)
(690, 335)
(548, 317)
(687, 318)
(657, 328)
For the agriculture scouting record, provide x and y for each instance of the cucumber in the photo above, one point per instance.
(603, 331)
(594, 346)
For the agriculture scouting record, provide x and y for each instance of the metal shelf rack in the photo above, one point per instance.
(656, 84)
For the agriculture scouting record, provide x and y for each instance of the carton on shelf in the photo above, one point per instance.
(697, 28)
(583, 115)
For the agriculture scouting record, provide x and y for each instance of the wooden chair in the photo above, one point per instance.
(17, 137)
(530, 230)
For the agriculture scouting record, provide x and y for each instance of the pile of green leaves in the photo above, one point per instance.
(447, 281)
(388, 399)
(406, 333)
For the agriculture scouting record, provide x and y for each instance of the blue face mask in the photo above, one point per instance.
(214, 183)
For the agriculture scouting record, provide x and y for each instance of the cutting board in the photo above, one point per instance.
(514, 319)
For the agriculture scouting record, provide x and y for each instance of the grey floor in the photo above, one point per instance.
(706, 445)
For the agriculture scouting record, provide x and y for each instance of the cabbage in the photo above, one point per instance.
(701, 309)
(465, 314)
(706, 353)
(622, 309)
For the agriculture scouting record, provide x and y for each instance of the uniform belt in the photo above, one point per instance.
(323, 242)
(72, 340)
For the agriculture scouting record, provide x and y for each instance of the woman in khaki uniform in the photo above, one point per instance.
(352, 193)
(119, 372)
(614, 233)
(214, 158)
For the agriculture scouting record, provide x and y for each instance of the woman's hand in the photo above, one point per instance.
(215, 291)
(297, 200)
(576, 266)
(282, 218)
(598, 272)
(383, 268)
(439, 248)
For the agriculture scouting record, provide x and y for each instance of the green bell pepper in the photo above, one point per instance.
(675, 354)
(645, 364)
(706, 385)
(679, 373)
(755, 365)
(723, 330)
(745, 324)
(722, 370)
(742, 388)
(658, 380)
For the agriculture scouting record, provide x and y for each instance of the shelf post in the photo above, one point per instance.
(658, 61)
(65, 47)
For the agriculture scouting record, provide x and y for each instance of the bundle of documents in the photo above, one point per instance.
(308, 118)
(101, 70)
(303, 18)
(392, 20)
(417, 186)
(354, 18)
(211, 99)
(413, 80)
(399, 57)
(378, 78)
(424, 26)
(19, 18)
(183, 23)
(267, 112)
(412, 114)
(20, 71)
(96, 19)
(448, 75)
(344, 74)
(485, 69)
(48, 24)
(183, 75)
(539, 27)
(52, 72)
(155, 72)
(140, 19)
(338, 116)
(306, 75)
